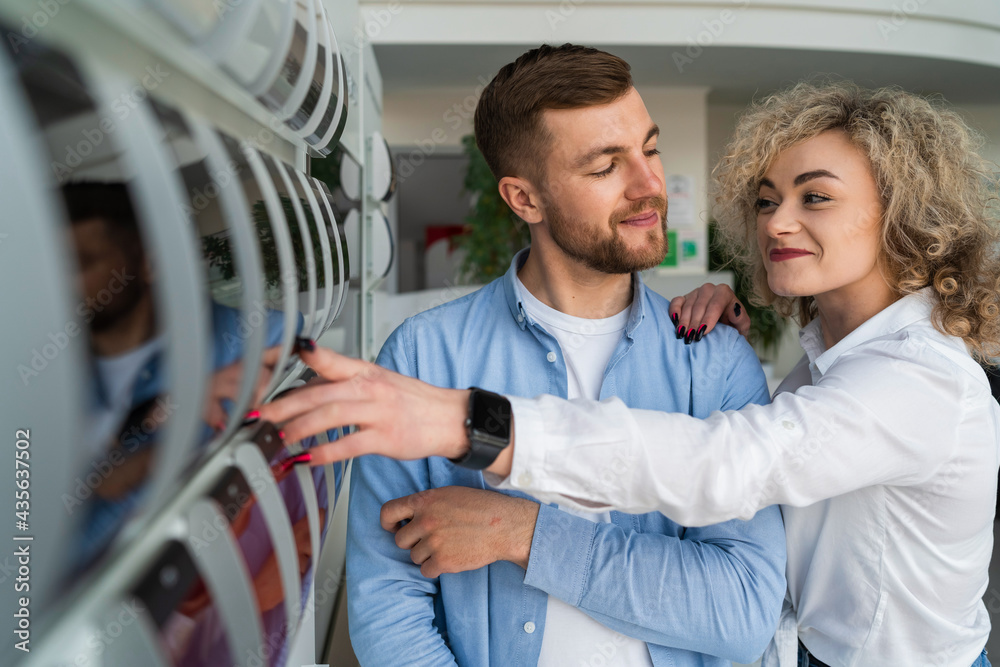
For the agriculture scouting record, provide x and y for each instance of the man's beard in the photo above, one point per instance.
(610, 254)
(122, 305)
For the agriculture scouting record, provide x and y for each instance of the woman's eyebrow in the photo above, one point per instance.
(801, 178)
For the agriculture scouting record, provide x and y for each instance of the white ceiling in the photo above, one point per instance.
(732, 74)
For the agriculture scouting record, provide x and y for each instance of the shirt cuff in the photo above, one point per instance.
(533, 448)
(561, 551)
(528, 426)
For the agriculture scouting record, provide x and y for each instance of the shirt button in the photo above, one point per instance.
(529, 627)
(551, 356)
(524, 479)
(520, 318)
(789, 426)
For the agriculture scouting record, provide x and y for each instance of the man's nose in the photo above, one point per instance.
(644, 181)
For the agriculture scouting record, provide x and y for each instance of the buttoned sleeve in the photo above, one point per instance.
(883, 413)
(390, 604)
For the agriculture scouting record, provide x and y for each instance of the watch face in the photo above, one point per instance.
(491, 415)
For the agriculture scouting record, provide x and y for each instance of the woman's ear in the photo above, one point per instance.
(522, 197)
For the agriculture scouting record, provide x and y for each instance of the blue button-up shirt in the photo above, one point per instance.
(697, 596)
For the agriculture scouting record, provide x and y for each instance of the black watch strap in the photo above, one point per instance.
(488, 426)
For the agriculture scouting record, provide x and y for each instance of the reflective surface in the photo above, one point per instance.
(293, 65)
(224, 294)
(268, 314)
(239, 504)
(338, 286)
(188, 620)
(116, 307)
(316, 114)
(333, 114)
(305, 262)
(252, 54)
(196, 19)
(319, 241)
(291, 490)
(318, 94)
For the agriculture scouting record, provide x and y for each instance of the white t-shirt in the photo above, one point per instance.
(571, 638)
(118, 375)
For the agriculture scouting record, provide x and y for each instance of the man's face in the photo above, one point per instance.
(603, 192)
(100, 256)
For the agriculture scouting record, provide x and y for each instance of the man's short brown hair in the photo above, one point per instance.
(508, 120)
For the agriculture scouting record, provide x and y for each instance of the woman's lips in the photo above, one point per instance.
(781, 254)
(644, 220)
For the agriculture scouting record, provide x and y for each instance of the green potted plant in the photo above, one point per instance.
(493, 233)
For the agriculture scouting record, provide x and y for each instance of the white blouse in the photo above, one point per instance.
(884, 460)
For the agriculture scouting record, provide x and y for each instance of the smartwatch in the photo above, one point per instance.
(488, 428)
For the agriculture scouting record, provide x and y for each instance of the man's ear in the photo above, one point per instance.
(522, 197)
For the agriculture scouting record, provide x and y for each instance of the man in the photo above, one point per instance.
(494, 578)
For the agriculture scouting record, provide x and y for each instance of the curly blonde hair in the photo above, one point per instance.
(939, 198)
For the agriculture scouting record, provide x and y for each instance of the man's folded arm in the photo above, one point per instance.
(390, 604)
(717, 590)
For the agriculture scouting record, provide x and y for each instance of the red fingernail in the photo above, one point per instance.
(674, 318)
(737, 310)
(307, 344)
(295, 460)
(281, 434)
(251, 417)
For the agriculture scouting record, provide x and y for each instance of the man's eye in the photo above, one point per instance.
(653, 151)
(606, 172)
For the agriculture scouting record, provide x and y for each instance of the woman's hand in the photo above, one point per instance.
(697, 313)
(395, 415)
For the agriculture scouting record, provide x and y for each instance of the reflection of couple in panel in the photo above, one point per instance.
(130, 399)
(866, 214)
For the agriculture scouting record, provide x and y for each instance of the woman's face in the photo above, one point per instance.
(818, 217)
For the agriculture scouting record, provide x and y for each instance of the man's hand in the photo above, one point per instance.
(396, 416)
(456, 529)
(697, 313)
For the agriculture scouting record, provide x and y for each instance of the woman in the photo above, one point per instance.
(869, 215)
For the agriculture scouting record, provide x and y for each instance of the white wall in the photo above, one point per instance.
(986, 119)
(429, 118)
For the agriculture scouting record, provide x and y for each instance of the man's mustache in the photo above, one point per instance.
(658, 204)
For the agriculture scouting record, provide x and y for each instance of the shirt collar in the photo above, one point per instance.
(900, 314)
(513, 293)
